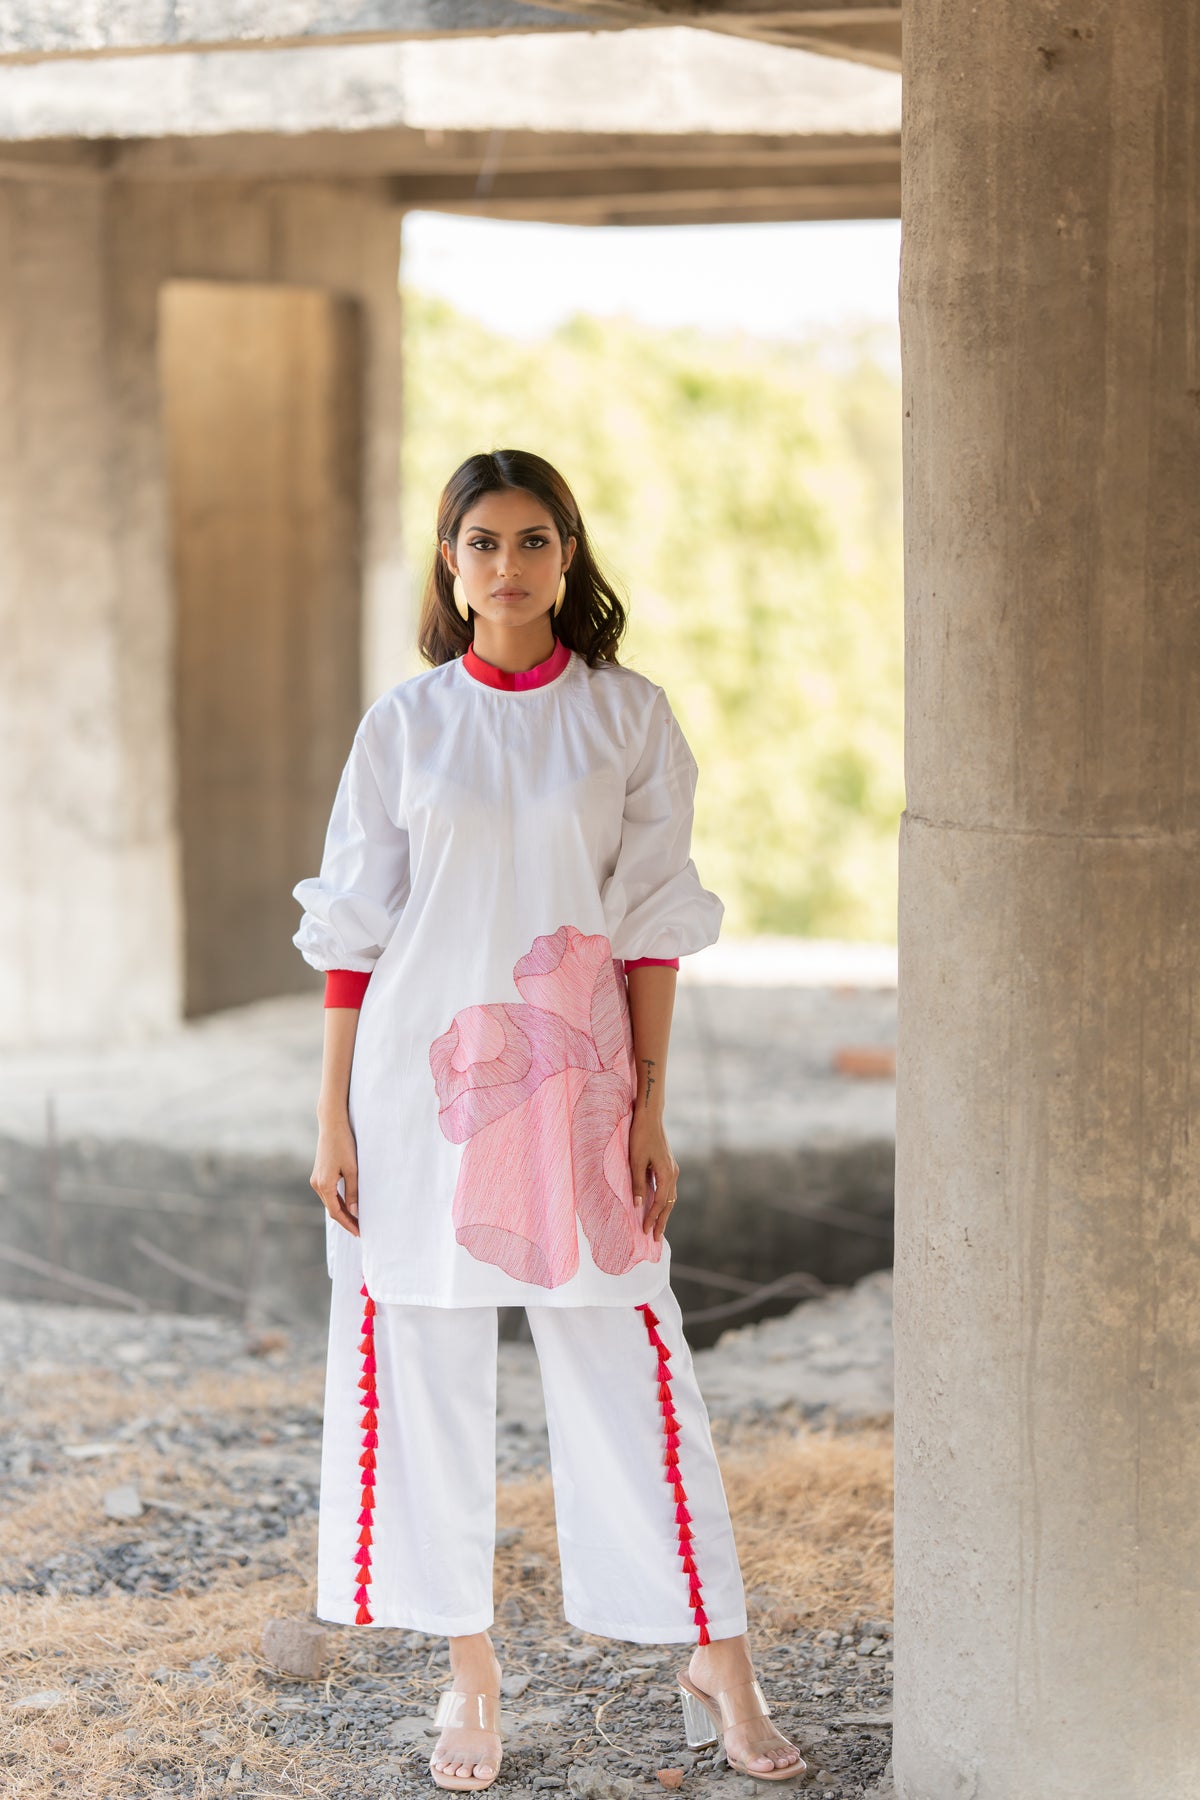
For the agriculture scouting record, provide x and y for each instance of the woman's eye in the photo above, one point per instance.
(486, 543)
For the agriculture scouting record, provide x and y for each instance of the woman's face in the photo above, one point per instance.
(510, 557)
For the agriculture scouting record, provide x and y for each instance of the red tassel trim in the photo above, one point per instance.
(370, 1420)
(671, 1471)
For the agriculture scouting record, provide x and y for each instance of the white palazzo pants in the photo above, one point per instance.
(407, 1521)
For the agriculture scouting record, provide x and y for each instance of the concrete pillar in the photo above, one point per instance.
(92, 891)
(262, 398)
(1048, 1156)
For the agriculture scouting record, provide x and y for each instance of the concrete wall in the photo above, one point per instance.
(91, 885)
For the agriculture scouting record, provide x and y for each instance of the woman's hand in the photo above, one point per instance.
(337, 1159)
(654, 1170)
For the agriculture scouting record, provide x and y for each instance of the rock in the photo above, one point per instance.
(548, 1781)
(42, 1700)
(409, 1729)
(784, 1618)
(512, 1685)
(595, 1783)
(670, 1778)
(123, 1502)
(886, 1789)
(234, 1771)
(84, 1452)
(296, 1647)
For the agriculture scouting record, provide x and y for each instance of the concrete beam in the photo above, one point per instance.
(663, 85)
(561, 177)
(558, 177)
(867, 33)
(41, 29)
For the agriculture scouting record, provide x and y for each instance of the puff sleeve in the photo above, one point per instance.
(654, 904)
(352, 907)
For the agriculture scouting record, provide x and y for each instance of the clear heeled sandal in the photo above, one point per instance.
(457, 1707)
(706, 1717)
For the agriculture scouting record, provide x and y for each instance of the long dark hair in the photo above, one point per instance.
(591, 619)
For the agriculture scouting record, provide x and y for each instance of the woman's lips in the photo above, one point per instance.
(510, 593)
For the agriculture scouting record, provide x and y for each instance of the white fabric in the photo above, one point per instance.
(493, 856)
(433, 1518)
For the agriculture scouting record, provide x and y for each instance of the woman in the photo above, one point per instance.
(505, 892)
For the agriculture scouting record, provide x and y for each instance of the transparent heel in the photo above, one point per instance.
(697, 1721)
(709, 1716)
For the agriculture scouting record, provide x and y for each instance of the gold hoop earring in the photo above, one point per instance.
(562, 589)
(460, 597)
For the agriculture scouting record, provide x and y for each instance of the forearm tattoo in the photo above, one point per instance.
(650, 1078)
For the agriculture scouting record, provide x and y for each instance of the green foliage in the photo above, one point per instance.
(745, 498)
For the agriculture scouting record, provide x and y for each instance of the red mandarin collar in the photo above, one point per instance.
(540, 673)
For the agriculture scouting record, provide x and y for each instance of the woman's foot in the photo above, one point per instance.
(725, 1662)
(465, 1750)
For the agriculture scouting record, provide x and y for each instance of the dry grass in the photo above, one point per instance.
(811, 1509)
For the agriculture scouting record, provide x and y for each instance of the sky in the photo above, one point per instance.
(774, 280)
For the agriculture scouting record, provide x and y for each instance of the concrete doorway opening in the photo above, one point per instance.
(262, 401)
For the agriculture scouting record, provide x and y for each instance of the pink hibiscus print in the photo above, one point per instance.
(541, 1092)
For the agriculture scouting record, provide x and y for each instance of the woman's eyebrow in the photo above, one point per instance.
(520, 533)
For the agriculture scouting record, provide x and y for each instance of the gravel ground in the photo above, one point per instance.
(194, 1448)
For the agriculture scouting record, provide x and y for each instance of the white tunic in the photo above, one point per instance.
(494, 856)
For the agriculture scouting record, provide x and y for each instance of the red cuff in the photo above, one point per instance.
(345, 987)
(666, 962)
